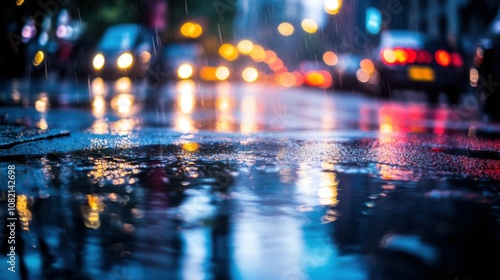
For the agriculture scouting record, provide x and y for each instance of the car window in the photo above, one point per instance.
(402, 39)
(119, 38)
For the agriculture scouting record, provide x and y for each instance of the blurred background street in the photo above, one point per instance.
(238, 139)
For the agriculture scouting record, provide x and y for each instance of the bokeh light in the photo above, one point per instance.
(286, 29)
(245, 46)
(330, 58)
(332, 7)
(191, 30)
(250, 74)
(228, 51)
(309, 25)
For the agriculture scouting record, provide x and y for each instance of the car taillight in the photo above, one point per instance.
(456, 60)
(388, 56)
(424, 57)
(405, 56)
(411, 55)
(442, 58)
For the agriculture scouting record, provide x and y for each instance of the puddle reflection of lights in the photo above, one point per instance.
(327, 191)
(42, 124)
(224, 105)
(23, 211)
(249, 113)
(123, 103)
(123, 84)
(186, 102)
(98, 87)
(42, 104)
(184, 124)
(124, 126)
(99, 107)
(100, 127)
(185, 86)
(190, 146)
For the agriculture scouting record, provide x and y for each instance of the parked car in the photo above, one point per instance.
(485, 75)
(411, 60)
(345, 72)
(126, 50)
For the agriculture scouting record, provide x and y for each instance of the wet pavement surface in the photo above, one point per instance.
(238, 181)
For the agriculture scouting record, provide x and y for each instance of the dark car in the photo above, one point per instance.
(485, 75)
(410, 60)
(183, 59)
(125, 50)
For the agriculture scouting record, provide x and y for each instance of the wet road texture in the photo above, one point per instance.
(245, 181)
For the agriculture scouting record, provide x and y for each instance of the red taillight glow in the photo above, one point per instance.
(443, 58)
(401, 56)
(424, 57)
(411, 56)
(456, 60)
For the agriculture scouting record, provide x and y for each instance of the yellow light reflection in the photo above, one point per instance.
(184, 124)
(91, 211)
(100, 127)
(22, 210)
(328, 191)
(224, 105)
(309, 25)
(249, 115)
(42, 124)
(123, 103)
(190, 146)
(98, 87)
(186, 102)
(42, 104)
(285, 29)
(245, 46)
(99, 107)
(124, 126)
(185, 86)
(19, 2)
(123, 84)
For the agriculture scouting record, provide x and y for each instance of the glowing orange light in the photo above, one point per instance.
(330, 58)
(443, 58)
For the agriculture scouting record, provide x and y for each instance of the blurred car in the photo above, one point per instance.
(183, 59)
(344, 72)
(125, 50)
(410, 60)
(485, 75)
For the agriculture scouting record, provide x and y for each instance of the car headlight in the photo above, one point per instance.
(125, 60)
(185, 71)
(98, 61)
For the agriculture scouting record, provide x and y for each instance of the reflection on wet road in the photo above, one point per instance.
(228, 181)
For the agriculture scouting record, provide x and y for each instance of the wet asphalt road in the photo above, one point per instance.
(248, 181)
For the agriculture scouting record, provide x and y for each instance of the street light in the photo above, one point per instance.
(309, 25)
(332, 7)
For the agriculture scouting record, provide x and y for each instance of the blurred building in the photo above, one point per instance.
(460, 21)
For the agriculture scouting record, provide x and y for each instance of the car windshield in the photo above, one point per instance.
(402, 39)
(183, 50)
(119, 37)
